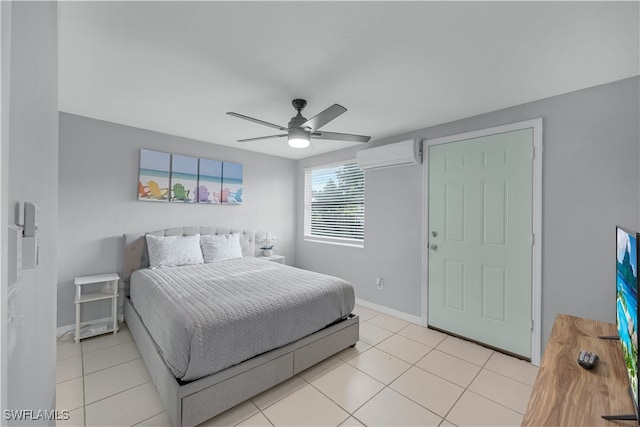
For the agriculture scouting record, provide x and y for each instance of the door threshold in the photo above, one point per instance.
(500, 350)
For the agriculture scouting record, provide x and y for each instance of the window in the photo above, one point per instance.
(334, 204)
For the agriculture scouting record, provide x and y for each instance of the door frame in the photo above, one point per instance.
(536, 259)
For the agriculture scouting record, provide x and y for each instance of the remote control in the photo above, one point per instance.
(587, 360)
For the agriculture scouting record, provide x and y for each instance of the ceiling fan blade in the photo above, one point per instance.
(340, 136)
(262, 137)
(262, 122)
(324, 117)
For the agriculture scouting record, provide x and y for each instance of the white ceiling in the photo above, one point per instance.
(178, 67)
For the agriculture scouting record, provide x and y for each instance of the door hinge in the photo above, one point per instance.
(532, 324)
(533, 239)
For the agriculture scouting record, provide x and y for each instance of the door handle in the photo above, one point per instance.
(433, 247)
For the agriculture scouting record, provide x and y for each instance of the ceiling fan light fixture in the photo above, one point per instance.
(298, 138)
(298, 143)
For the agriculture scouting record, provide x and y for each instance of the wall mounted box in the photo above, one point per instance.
(30, 219)
(14, 256)
(397, 154)
(30, 252)
(30, 240)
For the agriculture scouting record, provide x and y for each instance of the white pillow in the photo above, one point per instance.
(171, 251)
(220, 247)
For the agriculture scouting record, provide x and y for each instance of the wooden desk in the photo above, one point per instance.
(565, 394)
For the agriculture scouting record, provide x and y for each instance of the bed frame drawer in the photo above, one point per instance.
(197, 407)
(317, 351)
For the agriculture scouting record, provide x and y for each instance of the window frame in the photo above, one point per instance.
(307, 208)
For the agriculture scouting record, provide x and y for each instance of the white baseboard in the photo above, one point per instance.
(62, 330)
(382, 309)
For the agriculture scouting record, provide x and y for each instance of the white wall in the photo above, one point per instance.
(98, 180)
(590, 184)
(33, 176)
(5, 39)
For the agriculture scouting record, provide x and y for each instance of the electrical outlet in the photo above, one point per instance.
(379, 283)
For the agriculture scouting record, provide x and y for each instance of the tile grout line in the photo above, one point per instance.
(84, 391)
(265, 416)
(506, 376)
(467, 387)
(242, 419)
(113, 366)
(351, 414)
(375, 379)
(146, 419)
(497, 403)
(345, 409)
(82, 354)
(121, 391)
(283, 397)
(484, 367)
(414, 365)
(480, 395)
(411, 365)
(110, 346)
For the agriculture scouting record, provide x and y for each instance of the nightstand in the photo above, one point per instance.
(274, 258)
(101, 287)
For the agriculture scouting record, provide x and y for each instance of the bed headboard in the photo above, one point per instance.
(135, 245)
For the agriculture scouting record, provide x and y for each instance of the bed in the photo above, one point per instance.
(267, 323)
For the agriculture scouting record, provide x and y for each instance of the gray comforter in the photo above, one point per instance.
(207, 317)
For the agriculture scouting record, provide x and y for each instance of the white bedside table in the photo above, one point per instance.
(97, 288)
(274, 258)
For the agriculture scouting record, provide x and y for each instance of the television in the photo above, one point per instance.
(627, 305)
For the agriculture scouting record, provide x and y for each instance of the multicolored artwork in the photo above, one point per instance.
(231, 183)
(209, 181)
(627, 303)
(184, 178)
(153, 182)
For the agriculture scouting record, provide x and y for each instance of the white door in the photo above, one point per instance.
(480, 239)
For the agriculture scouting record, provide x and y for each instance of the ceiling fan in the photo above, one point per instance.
(300, 130)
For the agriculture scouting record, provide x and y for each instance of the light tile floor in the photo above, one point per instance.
(399, 374)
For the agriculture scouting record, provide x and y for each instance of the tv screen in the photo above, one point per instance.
(627, 304)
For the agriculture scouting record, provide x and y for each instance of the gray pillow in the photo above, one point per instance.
(171, 251)
(220, 247)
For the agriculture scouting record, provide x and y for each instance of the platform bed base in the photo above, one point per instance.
(189, 404)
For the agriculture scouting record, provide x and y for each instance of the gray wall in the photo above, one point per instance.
(98, 180)
(33, 176)
(590, 184)
(5, 39)
(590, 176)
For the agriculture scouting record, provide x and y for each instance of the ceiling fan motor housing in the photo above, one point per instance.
(295, 129)
(299, 104)
(298, 133)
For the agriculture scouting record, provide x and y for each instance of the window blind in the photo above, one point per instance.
(334, 203)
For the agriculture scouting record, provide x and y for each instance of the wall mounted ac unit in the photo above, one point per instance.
(397, 154)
